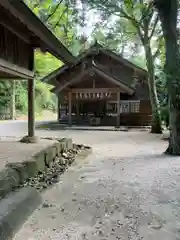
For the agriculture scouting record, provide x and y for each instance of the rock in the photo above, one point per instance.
(46, 205)
(165, 136)
(62, 161)
(65, 155)
(28, 139)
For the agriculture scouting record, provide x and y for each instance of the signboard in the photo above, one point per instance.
(93, 95)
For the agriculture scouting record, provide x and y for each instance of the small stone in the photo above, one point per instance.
(46, 205)
(65, 155)
(100, 232)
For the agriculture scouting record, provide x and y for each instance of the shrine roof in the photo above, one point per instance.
(100, 72)
(93, 50)
(17, 13)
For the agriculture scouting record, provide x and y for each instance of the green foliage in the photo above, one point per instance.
(61, 18)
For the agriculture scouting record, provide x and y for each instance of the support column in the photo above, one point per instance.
(31, 108)
(13, 100)
(31, 138)
(70, 108)
(58, 108)
(118, 109)
(77, 110)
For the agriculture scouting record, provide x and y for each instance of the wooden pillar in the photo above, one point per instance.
(58, 107)
(13, 100)
(118, 109)
(70, 108)
(31, 108)
(77, 109)
(31, 99)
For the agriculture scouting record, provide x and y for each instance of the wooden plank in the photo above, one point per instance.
(66, 83)
(48, 41)
(70, 108)
(31, 100)
(124, 88)
(12, 27)
(118, 109)
(94, 90)
(15, 70)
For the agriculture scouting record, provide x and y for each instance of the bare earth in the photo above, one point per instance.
(125, 190)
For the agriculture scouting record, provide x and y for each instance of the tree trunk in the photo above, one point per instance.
(156, 116)
(168, 14)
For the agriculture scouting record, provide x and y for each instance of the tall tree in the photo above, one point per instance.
(144, 20)
(168, 12)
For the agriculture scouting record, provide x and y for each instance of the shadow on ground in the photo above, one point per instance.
(57, 126)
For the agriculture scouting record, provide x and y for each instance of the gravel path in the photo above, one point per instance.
(125, 190)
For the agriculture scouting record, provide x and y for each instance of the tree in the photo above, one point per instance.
(168, 12)
(144, 21)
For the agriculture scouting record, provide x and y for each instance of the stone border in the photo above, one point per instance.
(15, 210)
(14, 174)
(17, 206)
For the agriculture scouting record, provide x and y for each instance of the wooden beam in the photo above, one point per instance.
(113, 80)
(15, 70)
(31, 101)
(118, 109)
(94, 90)
(59, 105)
(70, 108)
(31, 108)
(15, 29)
(48, 39)
(65, 84)
(13, 100)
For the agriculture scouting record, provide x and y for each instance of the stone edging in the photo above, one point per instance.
(15, 174)
(17, 206)
(15, 210)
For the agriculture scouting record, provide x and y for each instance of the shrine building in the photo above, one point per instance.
(102, 88)
(21, 34)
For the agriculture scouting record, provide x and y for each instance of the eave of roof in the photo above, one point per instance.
(103, 74)
(50, 43)
(94, 50)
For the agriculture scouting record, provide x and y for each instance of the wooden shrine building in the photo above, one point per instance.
(102, 88)
(21, 32)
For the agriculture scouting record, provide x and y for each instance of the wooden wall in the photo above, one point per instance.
(126, 75)
(13, 48)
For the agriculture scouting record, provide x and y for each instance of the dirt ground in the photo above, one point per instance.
(127, 189)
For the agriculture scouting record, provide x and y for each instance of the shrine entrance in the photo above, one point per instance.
(98, 108)
(89, 106)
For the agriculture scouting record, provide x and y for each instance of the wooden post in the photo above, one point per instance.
(77, 109)
(13, 100)
(31, 99)
(118, 109)
(31, 108)
(70, 108)
(58, 107)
